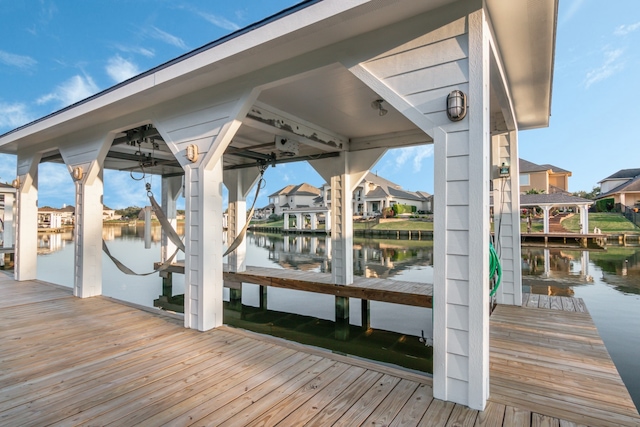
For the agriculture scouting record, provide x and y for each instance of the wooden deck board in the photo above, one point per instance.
(542, 363)
(70, 361)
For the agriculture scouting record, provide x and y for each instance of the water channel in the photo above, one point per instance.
(607, 280)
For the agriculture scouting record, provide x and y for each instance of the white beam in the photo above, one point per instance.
(270, 119)
(390, 140)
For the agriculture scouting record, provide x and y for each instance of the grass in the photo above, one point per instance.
(607, 222)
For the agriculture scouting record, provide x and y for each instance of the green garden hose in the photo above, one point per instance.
(494, 269)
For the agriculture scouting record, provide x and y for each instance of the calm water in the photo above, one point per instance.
(608, 281)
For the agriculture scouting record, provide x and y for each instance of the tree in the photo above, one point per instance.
(535, 191)
(130, 212)
(595, 192)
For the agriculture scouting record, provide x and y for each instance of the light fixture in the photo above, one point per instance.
(377, 105)
(192, 153)
(456, 105)
(77, 173)
(16, 183)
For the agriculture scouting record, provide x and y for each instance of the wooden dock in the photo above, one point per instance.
(69, 361)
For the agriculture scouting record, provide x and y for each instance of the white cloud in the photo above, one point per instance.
(55, 186)
(149, 53)
(19, 61)
(73, 90)
(121, 191)
(119, 69)
(7, 167)
(623, 30)
(219, 21)
(165, 37)
(612, 64)
(574, 7)
(414, 154)
(14, 115)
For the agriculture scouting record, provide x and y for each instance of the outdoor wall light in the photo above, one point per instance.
(192, 153)
(377, 105)
(16, 183)
(77, 173)
(456, 105)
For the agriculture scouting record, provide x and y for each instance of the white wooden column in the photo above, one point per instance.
(584, 219)
(86, 154)
(342, 230)
(209, 124)
(239, 182)
(285, 225)
(27, 220)
(461, 239)
(8, 234)
(171, 188)
(313, 219)
(344, 174)
(203, 240)
(545, 220)
(506, 214)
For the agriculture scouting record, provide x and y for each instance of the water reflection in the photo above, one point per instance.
(377, 258)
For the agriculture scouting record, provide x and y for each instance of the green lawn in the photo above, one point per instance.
(607, 222)
(405, 225)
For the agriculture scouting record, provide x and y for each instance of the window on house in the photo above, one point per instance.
(524, 179)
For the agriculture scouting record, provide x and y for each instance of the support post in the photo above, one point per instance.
(285, 225)
(506, 214)
(6, 260)
(239, 183)
(27, 221)
(344, 174)
(461, 239)
(88, 234)
(546, 210)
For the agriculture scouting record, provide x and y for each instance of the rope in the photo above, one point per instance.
(130, 272)
(238, 240)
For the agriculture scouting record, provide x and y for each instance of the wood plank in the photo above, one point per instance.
(437, 414)
(514, 416)
(492, 416)
(358, 392)
(223, 384)
(538, 420)
(278, 412)
(462, 416)
(414, 409)
(319, 401)
(267, 394)
(389, 408)
(267, 403)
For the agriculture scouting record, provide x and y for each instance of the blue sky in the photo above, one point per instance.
(54, 53)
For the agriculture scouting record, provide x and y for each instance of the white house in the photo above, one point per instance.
(335, 83)
(292, 197)
(375, 193)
